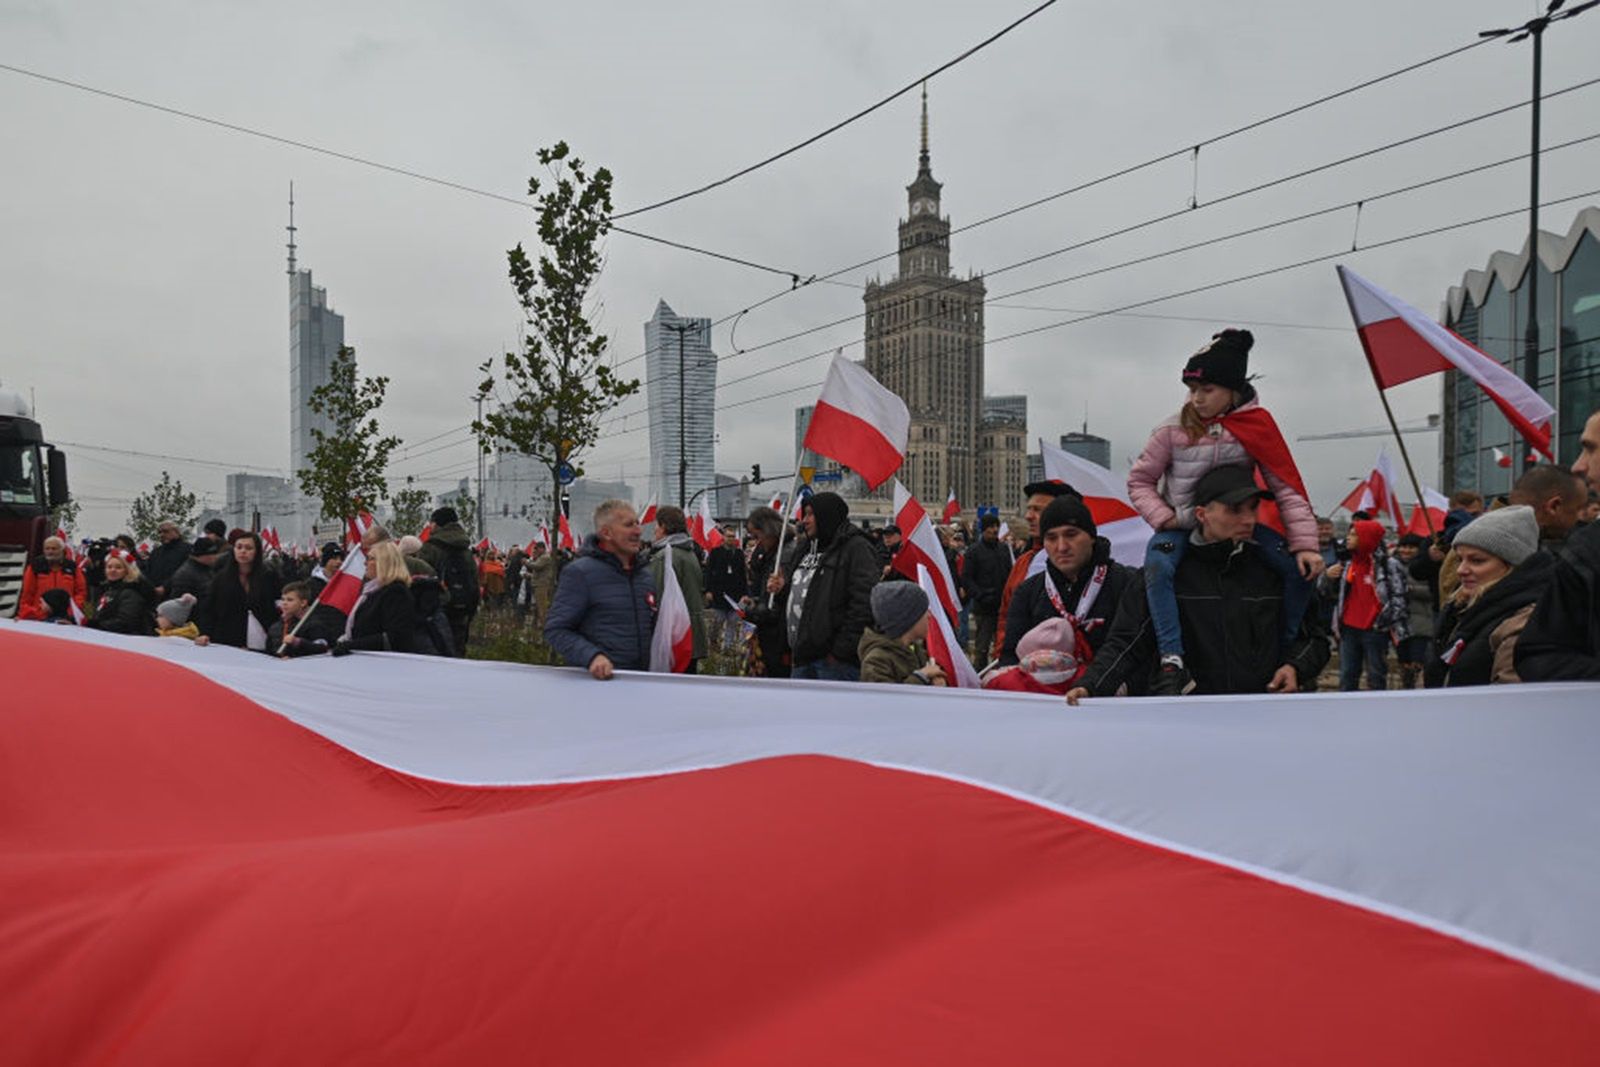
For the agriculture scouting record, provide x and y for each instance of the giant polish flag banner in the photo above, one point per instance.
(209, 856)
(1107, 499)
(1403, 344)
(920, 548)
(859, 423)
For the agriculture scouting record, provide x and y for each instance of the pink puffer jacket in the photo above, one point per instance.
(1161, 483)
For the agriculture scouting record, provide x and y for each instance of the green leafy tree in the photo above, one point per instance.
(65, 516)
(559, 383)
(411, 510)
(165, 501)
(347, 464)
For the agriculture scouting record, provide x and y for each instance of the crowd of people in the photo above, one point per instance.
(1243, 588)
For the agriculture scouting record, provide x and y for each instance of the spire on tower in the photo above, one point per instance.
(922, 159)
(291, 228)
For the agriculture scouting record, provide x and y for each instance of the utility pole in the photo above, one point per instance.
(1535, 28)
(479, 508)
(683, 446)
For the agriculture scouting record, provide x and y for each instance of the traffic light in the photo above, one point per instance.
(755, 474)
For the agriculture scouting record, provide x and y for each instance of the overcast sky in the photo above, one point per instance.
(142, 288)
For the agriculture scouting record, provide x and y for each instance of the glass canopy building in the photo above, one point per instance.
(1490, 309)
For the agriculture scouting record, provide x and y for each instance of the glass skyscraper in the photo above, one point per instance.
(1490, 309)
(663, 335)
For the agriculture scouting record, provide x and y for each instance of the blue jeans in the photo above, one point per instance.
(1161, 561)
(827, 670)
(1356, 647)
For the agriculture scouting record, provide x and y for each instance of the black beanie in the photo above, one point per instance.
(444, 516)
(1225, 361)
(1067, 511)
(830, 511)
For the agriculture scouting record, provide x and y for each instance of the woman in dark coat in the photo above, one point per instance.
(243, 591)
(1502, 574)
(127, 602)
(385, 618)
(772, 637)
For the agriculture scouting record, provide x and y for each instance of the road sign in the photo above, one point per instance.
(828, 476)
(565, 474)
(806, 474)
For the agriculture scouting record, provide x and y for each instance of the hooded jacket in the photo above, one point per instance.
(1389, 583)
(838, 600)
(600, 607)
(1481, 639)
(1031, 604)
(1162, 481)
(449, 542)
(1562, 640)
(1230, 604)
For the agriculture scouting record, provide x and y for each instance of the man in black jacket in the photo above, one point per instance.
(830, 599)
(983, 575)
(1230, 603)
(1562, 640)
(165, 559)
(1077, 580)
(448, 551)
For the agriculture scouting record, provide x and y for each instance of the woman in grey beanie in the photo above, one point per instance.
(1503, 574)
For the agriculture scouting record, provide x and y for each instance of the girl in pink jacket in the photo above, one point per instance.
(1221, 424)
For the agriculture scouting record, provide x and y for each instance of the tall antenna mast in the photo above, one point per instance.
(291, 229)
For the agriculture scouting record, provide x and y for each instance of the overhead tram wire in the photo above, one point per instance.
(388, 168)
(179, 459)
(1239, 279)
(1238, 194)
(1123, 172)
(863, 113)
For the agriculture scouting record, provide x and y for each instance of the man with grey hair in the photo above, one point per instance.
(165, 559)
(604, 609)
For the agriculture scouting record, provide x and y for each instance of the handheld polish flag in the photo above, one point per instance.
(357, 526)
(952, 508)
(1403, 344)
(544, 536)
(565, 531)
(672, 643)
(1501, 458)
(648, 515)
(703, 527)
(943, 648)
(798, 502)
(859, 423)
(1360, 498)
(1428, 518)
(1107, 499)
(344, 588)
(1384, 488)
(920, 551)
(776, 503)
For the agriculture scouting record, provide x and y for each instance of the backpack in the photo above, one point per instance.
(460, 580)
(433, 629)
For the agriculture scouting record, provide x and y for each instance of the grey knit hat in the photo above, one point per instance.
(1509, 533)
(896, 607)
(176, 611)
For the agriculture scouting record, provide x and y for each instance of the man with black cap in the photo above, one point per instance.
(1230, 606)
(1039, 495)
(194, 574)
(830, 604)
(1077, 581)
(448, 551)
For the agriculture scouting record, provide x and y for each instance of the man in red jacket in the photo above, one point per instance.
(53, 570)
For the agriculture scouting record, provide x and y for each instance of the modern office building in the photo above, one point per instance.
(1490, 309)
(316, 333)
(924, 341)
(255, 501)
(1086, 445)
(681, 377)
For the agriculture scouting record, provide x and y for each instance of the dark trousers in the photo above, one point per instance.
(984, 627)
(1363, 647)
(460, 623)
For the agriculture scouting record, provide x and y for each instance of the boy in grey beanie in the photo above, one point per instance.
(172, 618)
(1511, 534)
(888, 649)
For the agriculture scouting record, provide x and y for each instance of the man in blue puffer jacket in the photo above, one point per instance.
(604, 608)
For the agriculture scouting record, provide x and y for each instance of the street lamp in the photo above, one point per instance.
(1535, 28)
